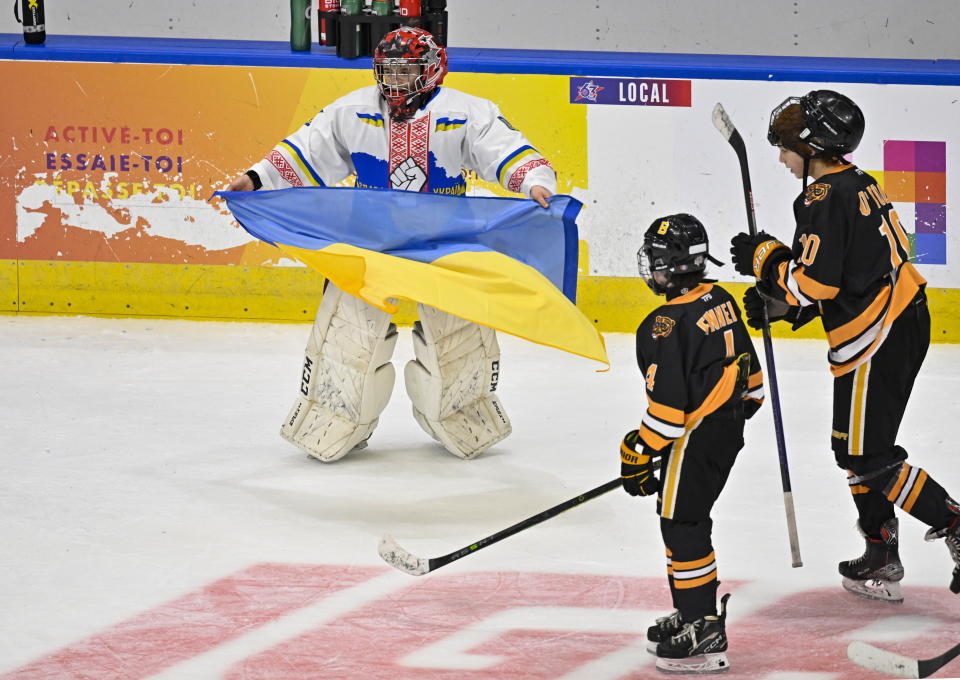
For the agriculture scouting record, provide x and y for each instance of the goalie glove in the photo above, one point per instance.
(636, 468)
(756, 255)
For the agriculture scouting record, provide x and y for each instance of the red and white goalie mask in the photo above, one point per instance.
(408, 65)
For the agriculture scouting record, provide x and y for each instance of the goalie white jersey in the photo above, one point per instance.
(451, 133)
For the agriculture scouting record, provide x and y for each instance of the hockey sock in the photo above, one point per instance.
(691, 567)
(915, 492)
(873, 508)
(673, 591)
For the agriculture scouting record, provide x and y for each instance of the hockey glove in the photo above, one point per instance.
(756, 255)
(744, 370)
(636, 468)
(754, 301)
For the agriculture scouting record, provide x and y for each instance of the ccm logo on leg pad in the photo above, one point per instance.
(305, 379)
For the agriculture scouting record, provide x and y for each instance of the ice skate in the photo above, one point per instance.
(699, 647)
(951, 533)
(663, 628)
(876, 574)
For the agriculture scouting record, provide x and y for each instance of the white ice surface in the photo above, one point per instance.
(140, 460)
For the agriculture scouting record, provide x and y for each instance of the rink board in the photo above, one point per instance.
(104, 199)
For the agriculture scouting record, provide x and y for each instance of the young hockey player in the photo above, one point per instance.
(408, 134)
(702, 381)
(849, 263)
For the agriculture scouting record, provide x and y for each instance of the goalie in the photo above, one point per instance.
(406, 133)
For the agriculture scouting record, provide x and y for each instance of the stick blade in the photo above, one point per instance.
(722, 121)
(876, 659)
(398, 558)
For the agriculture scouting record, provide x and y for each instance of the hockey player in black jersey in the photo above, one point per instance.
(849, 263)
(702, 380)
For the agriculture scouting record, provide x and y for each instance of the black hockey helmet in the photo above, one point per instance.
(829, 124)
(672, 245)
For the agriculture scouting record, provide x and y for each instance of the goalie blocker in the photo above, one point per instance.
(347, 380)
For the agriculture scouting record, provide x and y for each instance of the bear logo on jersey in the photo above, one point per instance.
(663, 326)
(816, 192)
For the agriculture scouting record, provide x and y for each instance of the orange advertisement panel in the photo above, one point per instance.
(115, 162)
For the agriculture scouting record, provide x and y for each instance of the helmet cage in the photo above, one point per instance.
(391, 71)
(824, 133)
(658, 256)
(408, 65)
(772, 136)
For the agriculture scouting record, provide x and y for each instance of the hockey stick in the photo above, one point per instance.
(723, 123)
(881, 660)
(404, 560)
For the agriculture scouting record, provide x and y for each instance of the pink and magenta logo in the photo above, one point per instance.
(916, 172)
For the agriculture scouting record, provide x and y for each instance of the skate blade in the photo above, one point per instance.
(695, 665)
(875, 589)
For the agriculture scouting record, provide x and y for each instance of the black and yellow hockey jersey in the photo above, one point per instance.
(850, 258)
(685, 349)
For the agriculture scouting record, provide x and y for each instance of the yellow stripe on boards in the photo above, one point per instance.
(167, 290)
(9, 286)
(272, 293)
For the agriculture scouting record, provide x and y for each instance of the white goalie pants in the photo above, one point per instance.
(347, 380)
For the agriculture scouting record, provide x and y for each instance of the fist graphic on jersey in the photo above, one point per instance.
(408, 176)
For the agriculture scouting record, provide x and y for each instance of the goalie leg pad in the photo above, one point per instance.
(347, 377)
(452, 383)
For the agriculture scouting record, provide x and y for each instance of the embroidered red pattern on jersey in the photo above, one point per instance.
(516, 181)
(286, 170)
(411, 139)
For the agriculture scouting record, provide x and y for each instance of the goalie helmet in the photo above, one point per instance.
(820, 124)
(673, 245)
(408, 65)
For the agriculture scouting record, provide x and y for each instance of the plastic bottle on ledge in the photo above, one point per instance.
(410, 13)
(348, 43)
(300, 25)
(382, 22)
(33, 20)
(328, 17)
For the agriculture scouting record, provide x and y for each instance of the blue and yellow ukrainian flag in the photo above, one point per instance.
(505, 263)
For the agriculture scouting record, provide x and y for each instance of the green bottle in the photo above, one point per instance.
(383, 8)
(348, 43)
(300, 25)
